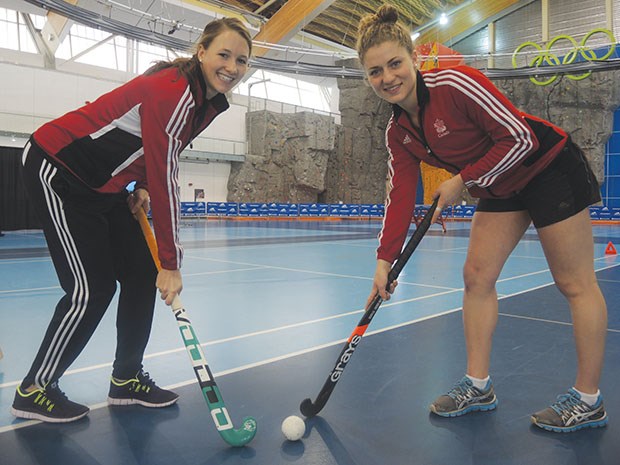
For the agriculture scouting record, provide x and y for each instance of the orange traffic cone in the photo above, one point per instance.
(610, 250)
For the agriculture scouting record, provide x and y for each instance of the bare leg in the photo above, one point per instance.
(569, 249)
(493, 237)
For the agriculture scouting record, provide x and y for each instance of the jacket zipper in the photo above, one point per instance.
(419, 135)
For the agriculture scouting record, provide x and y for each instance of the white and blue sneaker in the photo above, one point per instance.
(463, 398)
(569, 413)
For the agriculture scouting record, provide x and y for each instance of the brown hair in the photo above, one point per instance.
(382, 26)
(189, 66)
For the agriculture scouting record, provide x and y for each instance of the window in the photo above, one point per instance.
(14, 34)
(148, 54)
(95, 47)
(285, 89)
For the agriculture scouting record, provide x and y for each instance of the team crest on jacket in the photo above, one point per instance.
(441, 128)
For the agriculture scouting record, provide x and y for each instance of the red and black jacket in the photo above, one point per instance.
(469, 127)
(136, 132)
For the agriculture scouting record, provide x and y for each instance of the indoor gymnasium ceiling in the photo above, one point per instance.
(337, 22)
(281, 29)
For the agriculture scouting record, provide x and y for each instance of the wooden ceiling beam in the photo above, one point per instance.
(338, 10)
(56, 28)
(466, 19)
(348, 38)
(238, 4)
(416, 8)
(288, 21)
(245, 4)
(264, 6)
(338, 21)
(332, 28)
(236, 9)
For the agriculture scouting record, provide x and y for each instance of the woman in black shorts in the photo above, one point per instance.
(524, 170)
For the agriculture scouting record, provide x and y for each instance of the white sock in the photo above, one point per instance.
(589, 399)
(480, 383)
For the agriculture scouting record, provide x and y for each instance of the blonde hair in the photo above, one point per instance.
(188, 66)
(382, 26)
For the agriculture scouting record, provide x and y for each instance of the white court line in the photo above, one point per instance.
(606, 257)
(262, 267)
(31, 289)
(255, 266)
(323, 273)
(524, 275)
(544, 320)
(320, 273)
(318, 347)
(19, 261)
(219, 374)
(309, 322)
(244, 336)
(451, 249)
(202, 273)
(320, 320)
(296, 270)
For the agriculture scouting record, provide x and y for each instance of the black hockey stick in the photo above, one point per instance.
(210, 391)
(309, 408)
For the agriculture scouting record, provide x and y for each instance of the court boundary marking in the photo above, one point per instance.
(27, 423)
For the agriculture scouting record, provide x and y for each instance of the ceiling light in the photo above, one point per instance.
(414, 36)
(443, 19)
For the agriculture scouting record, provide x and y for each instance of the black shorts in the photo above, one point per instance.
(561, 190)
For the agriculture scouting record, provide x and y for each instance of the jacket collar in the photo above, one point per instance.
(219, 102)
(422, 93)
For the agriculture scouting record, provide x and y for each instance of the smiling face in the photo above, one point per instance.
(224, 62)
(391, 72)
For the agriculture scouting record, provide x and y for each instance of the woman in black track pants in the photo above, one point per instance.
(76, 170)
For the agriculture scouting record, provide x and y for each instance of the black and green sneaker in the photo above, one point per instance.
(140, 390)
(48, 404)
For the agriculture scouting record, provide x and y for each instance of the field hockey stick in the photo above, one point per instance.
(309, 408)
(219, 413)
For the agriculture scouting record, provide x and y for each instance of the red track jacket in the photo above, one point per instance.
(468, 127)
(136, 133)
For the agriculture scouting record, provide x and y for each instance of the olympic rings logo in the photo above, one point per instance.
(547, 57)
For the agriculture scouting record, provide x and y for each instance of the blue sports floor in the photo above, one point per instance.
(273, 302)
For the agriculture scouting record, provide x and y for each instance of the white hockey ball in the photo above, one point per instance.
(293, 428)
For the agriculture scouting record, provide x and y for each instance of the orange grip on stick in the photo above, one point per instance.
(149, 236)
(358, 331)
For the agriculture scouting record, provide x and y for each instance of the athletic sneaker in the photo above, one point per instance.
(569, 413)
(463, 398)
(49, 404)
(139, 390)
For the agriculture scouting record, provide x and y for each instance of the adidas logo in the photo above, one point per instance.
(407, 139)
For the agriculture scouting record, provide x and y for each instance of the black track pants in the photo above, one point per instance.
(94, 242)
